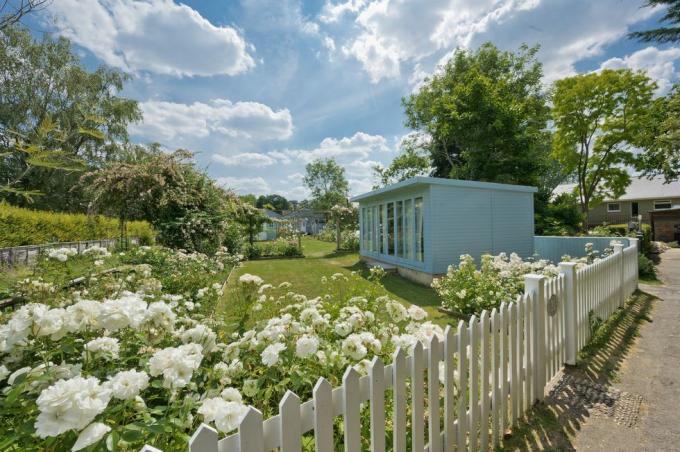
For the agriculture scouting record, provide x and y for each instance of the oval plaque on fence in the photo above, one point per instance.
(552, 305)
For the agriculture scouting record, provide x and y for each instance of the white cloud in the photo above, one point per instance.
(281, 15)
(295, 177)
(392, 33)
(332, 12)
(659, 65)
(178, 123)
(245, 185)
(152, 35)
(360, 145)
(245, 159)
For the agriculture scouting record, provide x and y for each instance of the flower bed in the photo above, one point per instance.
(137, 356)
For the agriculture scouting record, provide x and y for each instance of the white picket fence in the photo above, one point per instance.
(495, 367)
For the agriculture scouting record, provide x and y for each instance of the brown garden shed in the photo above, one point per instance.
(666, 225)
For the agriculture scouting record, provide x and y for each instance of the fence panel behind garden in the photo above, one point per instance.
(457, 393)
(27, 254)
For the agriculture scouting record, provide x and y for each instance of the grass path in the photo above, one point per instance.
(320, 260)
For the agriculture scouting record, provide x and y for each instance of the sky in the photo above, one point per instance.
(260, 88)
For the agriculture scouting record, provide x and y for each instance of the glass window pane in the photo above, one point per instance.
(408, 229)
(399, 224)
(376, 229)
(390, 228)
(420, 241)
(381, 229)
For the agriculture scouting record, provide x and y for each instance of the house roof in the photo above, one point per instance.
(272, 214)
(639, 188)
(305, 213)
(422, 181)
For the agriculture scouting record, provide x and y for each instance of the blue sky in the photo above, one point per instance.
(261, 87)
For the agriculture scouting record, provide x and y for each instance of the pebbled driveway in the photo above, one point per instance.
(652, 370)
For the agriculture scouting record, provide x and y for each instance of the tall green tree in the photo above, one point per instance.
(327, 183)
(662, 34)
(43, 81)
(661, 156)
(276, 202)
(600, 119)
(485, 115)
(413, 160)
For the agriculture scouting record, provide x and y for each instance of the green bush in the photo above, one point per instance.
(349, 239)
(646, 268)
(273, 248)
(19, 226)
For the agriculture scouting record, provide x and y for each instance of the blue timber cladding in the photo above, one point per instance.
(460, 217)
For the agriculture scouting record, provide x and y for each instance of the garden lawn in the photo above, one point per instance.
(320, 260)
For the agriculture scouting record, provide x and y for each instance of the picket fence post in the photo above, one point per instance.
(535, 286)
(568, 269)
(618, 251)
(636, 243)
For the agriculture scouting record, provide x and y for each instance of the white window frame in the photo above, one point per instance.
(663, 201)
(610, 210)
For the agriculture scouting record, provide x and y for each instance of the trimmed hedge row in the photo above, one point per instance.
(20, 226)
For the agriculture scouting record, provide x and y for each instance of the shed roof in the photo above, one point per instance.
(423, 181)
(639, 188)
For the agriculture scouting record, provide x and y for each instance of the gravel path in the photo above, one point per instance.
(649, 377)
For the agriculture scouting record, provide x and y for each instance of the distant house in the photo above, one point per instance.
(643, 196)
(270, 229)
(306, 221)
(422, 225)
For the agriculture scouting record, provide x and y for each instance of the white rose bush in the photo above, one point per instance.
(139, 354)
(468, 290)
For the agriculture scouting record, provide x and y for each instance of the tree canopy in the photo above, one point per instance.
(273, 202)
(414, 160)
(485, 114)
(662, 34)
(44, 83)
(327, 183)
(600, 118)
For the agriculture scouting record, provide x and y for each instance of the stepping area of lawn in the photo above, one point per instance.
(320, 260)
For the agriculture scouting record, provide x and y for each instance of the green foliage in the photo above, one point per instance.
(661, 156)
(599, 119)
(559, 216)
(185, 206)
(662, 34)
(252, 219)
(646, 268)
(19, 226)
(44, 83)
(414, 160)
(349, 239)
(274, 202)
(326, 180)
(486, 115)
(272, 248)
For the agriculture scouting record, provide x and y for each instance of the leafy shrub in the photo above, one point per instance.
(349, 239)
(273, 248)
(468, 290)
(560, 216)
(646, 268)
(20, 226)
(141, 364)
(234, 237)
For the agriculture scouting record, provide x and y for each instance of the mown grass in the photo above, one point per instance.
(320, 260)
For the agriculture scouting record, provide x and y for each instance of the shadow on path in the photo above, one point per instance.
(584, 390)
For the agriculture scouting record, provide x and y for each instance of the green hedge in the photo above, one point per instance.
(20, 226)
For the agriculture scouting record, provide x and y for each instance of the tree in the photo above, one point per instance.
(485, 115)
(326, 180)
(44, 82)
(599, 119)
(661, 156)
(252, 220)
(11, 12)
(662, 34)
(249, 199)
(414, 160)
(277, 202)
(183, 204)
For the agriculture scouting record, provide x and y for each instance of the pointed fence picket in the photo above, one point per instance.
(494, 368)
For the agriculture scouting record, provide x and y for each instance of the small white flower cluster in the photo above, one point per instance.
(96, 251)
(61, 254)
